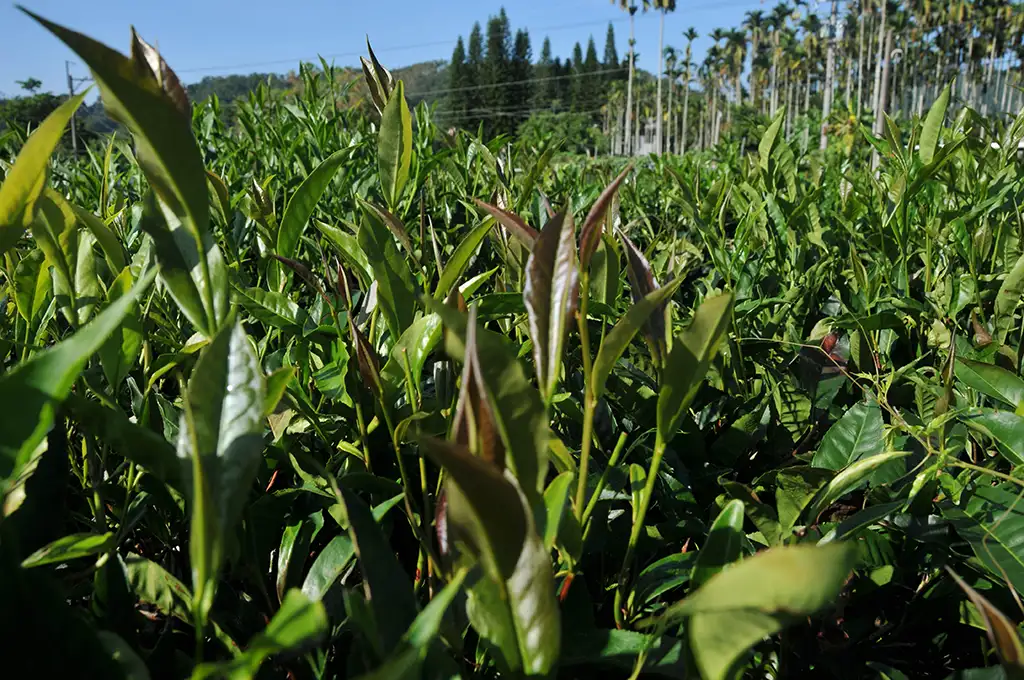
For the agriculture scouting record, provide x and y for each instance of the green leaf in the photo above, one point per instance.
(154, 585)
(182, 268)
(1005, 428)
(396, 291)
(415, 345)
(991, 520)
(303, 202)
(483, 504)
(796, 487)
(136, 443)
(556, 502)
(122, 349)
(520, 617)
(514, 224)
(328, 567)
(460, 259)
(615, 343)
(31, 391)
(221, 435)
(932, 126)
(169, 157)
(767, 143)
(25, 180)
(385, 584)
(299, 623)
(412, 650)
(857, 435)
(991, 381)
(520, 413)
(33, 285)
(621, 649)
(70, 547)
(641, 284)
(112, 250)
(394, 146)
(593, 224)
(1007, 300)
(273, 309)
(850, 478)
(723, 545)
(348, 246)
(336, 556)
(604, 274)
(689, 360)
(551, 294)
(758, 597)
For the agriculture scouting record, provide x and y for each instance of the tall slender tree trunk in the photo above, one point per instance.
(686, 109)
(775, 74)
(848, 63)
(661, 71)
(629, 88)
(883, 93)
(879, 56)
(860, 63)
(789, 106)
(668, 137)
(830, 65)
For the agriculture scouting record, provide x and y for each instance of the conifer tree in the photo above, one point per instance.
(458, 75)
(522, 72)
(592, 79)
(474, 77)
(611, 54)
(496, 71)
(544, 88)
(577, 87)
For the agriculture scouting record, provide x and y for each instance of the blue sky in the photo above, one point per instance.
(217, 37)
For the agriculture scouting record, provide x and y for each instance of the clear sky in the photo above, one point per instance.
(217, 37)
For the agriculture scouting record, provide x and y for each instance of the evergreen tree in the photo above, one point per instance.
(560, 83)
(611, 54)
(496, 72)
(474, 77)
(522, 72)
(577, 87)
(544, 89)
(458, 80)
(592, 79)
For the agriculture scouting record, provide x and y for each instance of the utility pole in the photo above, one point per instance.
(830, 64)
(71, 93)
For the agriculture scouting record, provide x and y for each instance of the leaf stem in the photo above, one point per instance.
(634, 536)
(589, 400)
(601, 482)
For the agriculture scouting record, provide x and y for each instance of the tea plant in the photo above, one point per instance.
(321, 394)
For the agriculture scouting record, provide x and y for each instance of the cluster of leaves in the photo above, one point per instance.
(321, 396)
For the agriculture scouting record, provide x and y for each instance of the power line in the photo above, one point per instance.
(384, 50)
(516, 82)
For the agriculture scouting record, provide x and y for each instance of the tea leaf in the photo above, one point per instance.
(551, 295)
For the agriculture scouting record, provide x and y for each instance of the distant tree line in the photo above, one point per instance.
(494, 81)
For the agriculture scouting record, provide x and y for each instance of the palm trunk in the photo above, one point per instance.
(830, 64)
(629, 89)
(661, 70)
(860, 63)
(686, 107)
(879, 56)
(775, 74)
(883, 94)
(668, 137)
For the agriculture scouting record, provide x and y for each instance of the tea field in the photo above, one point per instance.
(322, 393)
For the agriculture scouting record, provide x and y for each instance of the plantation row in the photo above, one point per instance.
(312, 395)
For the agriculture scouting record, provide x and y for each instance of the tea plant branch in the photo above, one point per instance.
(589, 400)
